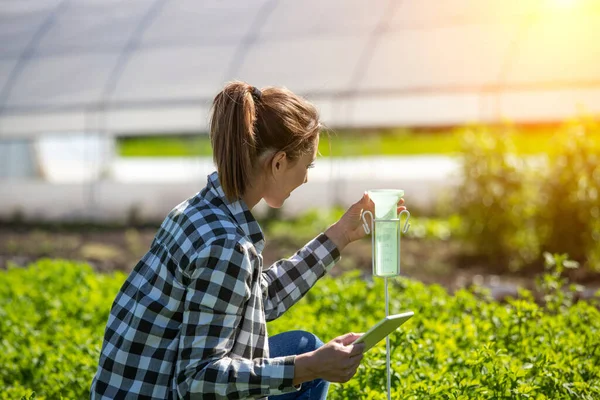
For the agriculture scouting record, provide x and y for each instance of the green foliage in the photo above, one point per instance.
(550, 284)
(496, 199)
(569, 201)
(513, 208)
(387, 143)
(335, 144)
(433, 228)
(302, 228)
(52, 319)
(165, 146)
(342, 143)
(461, 346)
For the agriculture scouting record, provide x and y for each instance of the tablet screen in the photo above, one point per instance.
(383, 328)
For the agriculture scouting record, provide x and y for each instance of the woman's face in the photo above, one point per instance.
(286, 176)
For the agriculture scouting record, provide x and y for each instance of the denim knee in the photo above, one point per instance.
(307, 341)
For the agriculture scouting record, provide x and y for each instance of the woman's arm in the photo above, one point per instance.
(288, 280)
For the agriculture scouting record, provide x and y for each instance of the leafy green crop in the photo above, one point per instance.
(461, 346)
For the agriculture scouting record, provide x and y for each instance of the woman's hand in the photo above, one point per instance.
(350, 227)
(336, 361)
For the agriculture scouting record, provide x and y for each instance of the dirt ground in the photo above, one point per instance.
(430, 261)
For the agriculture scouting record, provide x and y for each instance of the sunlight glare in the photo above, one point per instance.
(565, 3)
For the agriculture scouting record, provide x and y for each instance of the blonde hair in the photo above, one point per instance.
(247, 124)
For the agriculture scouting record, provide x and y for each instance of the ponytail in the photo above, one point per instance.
(246, 123)
(233, 137)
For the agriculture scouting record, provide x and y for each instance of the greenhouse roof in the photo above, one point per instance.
(143, 66)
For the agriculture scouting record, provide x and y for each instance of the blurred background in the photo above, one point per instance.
(485, 112)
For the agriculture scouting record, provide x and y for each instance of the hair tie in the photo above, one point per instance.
(256, 93)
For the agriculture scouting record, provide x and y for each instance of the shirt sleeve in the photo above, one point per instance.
(219, 287)
(288, 280)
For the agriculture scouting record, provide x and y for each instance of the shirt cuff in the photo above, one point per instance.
(281, 374)
(326, 251)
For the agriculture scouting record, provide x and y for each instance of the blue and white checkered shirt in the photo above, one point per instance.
(190, 320)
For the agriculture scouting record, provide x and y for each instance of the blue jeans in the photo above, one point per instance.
(298, 342)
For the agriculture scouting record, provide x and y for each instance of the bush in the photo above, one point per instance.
(569, 201)
(497, 198)
(513, 209)
(53, 314)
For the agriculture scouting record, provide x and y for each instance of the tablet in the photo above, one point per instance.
(383, 328)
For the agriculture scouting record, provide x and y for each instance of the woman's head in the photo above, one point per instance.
(262, 138)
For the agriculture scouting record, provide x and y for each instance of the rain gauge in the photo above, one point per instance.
(385, 229)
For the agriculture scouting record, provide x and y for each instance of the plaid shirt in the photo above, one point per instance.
(190, 320)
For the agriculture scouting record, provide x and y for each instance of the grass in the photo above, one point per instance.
(164, 146)
(345, 143)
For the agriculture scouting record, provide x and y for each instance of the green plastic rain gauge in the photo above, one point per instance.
(385, 238)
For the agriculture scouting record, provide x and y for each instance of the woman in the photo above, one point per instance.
(190, 321)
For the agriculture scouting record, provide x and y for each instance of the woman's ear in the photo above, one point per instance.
(279, 163)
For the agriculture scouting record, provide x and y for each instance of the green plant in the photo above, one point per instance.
(343, 142)
(556, 294)
(52, 316)
(496, 198)
(515, 208)
(303, 227)
(307, 225)
(569, 199)
(460, 346)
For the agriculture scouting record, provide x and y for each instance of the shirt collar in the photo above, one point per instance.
(238, 210)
